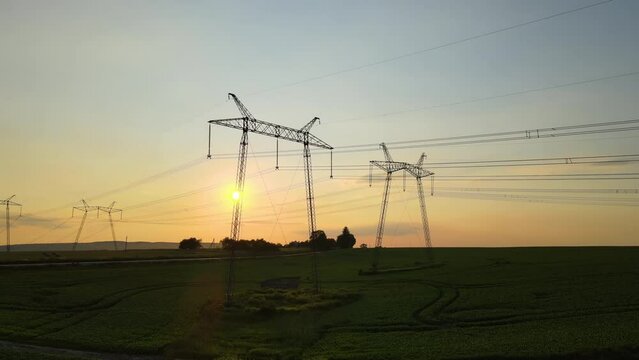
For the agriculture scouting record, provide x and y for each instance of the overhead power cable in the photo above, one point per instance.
(526, 134)
(433, 48)
(181, 167)
(490, 97)
(569, 160)
(623, 191)
(184, 194)
(545, 199)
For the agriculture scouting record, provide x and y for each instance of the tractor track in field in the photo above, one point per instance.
(78, 314)
(435, 308)
(100, 303)
(84, 314)
(546, 315)
(429, 317)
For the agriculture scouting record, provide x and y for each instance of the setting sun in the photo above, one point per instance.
(236, 195)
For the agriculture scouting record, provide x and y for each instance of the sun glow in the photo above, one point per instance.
(236, 195)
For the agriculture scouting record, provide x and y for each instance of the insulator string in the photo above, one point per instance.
(209, 154)
(331, 163)
(277, 153)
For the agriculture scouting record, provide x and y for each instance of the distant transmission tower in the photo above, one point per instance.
(248, 123)
(86, 208)
(110, 210)
(8, 203)
(390, 166)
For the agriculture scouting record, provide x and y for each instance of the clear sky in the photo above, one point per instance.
(97, 95)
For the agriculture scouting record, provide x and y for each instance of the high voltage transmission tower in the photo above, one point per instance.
(390, 166)
(86, 208)
(110, 210)
(248, 123)
(8, 203)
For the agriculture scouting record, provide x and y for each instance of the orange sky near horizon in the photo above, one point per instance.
(109, 101)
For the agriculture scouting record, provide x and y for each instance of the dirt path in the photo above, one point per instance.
(71, 353)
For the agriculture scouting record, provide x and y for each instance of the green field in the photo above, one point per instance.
(28, 257)
(480, 303)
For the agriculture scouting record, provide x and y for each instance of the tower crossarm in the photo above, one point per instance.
(418, 171)
(389, 166)
(274, 130)
(9, 202)
(86, 207)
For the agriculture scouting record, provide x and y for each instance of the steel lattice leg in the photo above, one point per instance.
(237, 212)
(422, 205)
(77, 236)
(382, 219)
(310, 204)
(239, 187)
(115, 244)
(310, 200)
(6, 213)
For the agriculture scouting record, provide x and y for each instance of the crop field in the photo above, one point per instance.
(476, 303)
(97, 255)
(26, 257)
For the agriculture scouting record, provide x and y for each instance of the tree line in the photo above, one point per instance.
(318, 242)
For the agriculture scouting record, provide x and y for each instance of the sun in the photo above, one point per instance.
(236, 195)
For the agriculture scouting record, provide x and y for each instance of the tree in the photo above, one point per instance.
(259, 245)
(346, 240)
(228, 243)
(363, 246)
(297, 244)
(190, 244)
(319, 242)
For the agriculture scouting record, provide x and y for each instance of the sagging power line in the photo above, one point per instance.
(503, 136)
(437, 47)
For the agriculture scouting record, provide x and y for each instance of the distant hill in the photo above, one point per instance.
(98, 245)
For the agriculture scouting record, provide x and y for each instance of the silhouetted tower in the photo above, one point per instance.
(8, 203)
(418, 172)
(110, 210)
(248, 123)
(86, 209)
(390, 166)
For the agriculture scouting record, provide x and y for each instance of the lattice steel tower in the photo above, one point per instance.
(86, 208)
(390, 166)
(8, 203)
(248, 123)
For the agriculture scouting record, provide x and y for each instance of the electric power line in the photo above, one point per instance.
(437, 47)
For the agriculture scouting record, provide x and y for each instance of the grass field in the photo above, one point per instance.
(27, 257)
(481, 303)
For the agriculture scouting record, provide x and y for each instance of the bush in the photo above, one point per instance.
(319, 241)
(190, 244)
(249, 245)
(297, 244)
